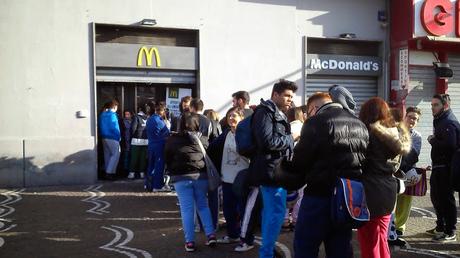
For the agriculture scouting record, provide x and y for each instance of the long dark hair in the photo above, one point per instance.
(376, 109)
(189, 122)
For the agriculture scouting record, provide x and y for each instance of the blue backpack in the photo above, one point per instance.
(349, 206)
(245, 144)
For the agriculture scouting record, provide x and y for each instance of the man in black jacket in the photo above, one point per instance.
(333, 143)
(444, 143)
(274, 141)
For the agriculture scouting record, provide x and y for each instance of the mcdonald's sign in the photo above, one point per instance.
(148, 53)
(173, 93)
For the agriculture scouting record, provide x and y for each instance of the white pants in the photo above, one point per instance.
(111, 155)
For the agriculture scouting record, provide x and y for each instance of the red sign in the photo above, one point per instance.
(439, 16)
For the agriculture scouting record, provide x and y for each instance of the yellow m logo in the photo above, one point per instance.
(148, 56)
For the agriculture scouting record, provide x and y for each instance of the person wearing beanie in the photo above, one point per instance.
(341, 95)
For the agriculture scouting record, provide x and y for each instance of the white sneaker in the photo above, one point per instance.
(243, 247)
(131, 175)
(142, 174)
(163, 189)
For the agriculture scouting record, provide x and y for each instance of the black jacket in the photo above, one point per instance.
(383, 158)
(273, 139)
(138, 126)
(183, 158)
(332, 143)
(205, 130)
(446, 138)
(216, 150)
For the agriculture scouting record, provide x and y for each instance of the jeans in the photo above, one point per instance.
(314, 226)
(111, 155)
(232, 210)
(191, 193)
(156, 165)
(274, 208)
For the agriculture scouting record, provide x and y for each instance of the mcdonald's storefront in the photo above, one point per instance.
(135, 65)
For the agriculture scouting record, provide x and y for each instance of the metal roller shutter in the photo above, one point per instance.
(454, 85)
(420, 96)
(362, 88)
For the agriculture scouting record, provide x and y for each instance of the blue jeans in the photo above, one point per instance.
(273, 211)
(191, 193)
(156, 165)
(314, 227)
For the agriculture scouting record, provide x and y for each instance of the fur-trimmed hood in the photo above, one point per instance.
(396, 138)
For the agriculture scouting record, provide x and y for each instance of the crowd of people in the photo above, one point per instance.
(317, 143)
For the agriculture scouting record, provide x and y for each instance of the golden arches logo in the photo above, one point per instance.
(148, 53)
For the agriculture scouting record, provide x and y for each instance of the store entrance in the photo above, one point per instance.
(129, 96)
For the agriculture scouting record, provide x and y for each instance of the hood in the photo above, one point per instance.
(328, 106)
(270, 105)
(396, 138)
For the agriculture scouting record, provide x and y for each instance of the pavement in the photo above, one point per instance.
(119, 219)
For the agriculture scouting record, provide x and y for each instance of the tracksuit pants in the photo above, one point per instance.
(373, 238)
(403, 206)
(274, 208)
(111, 155)
(156, 166)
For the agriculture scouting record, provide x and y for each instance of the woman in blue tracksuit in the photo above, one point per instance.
(157, 133)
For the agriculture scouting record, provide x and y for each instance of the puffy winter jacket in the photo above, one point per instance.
(183, 158)
(383, 158)
(138, 126)
(332, 143)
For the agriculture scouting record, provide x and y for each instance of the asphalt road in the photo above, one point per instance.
(118, 219)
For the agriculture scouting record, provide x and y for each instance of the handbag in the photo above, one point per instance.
(213, 175)
(348, 204)
(420, 188)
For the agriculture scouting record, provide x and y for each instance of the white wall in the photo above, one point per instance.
(46, 65)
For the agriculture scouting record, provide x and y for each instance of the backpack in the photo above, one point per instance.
(348, 204)
(245, 144)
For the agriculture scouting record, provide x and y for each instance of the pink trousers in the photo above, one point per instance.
(373, 238)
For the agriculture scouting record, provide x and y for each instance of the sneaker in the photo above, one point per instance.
(228, 240)
(398, 242)
(433, 232)
(190, 247)
(163, 189)
(243, 247)
(131, 175)
(142, 175)
(445, 238)
(212, 241)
